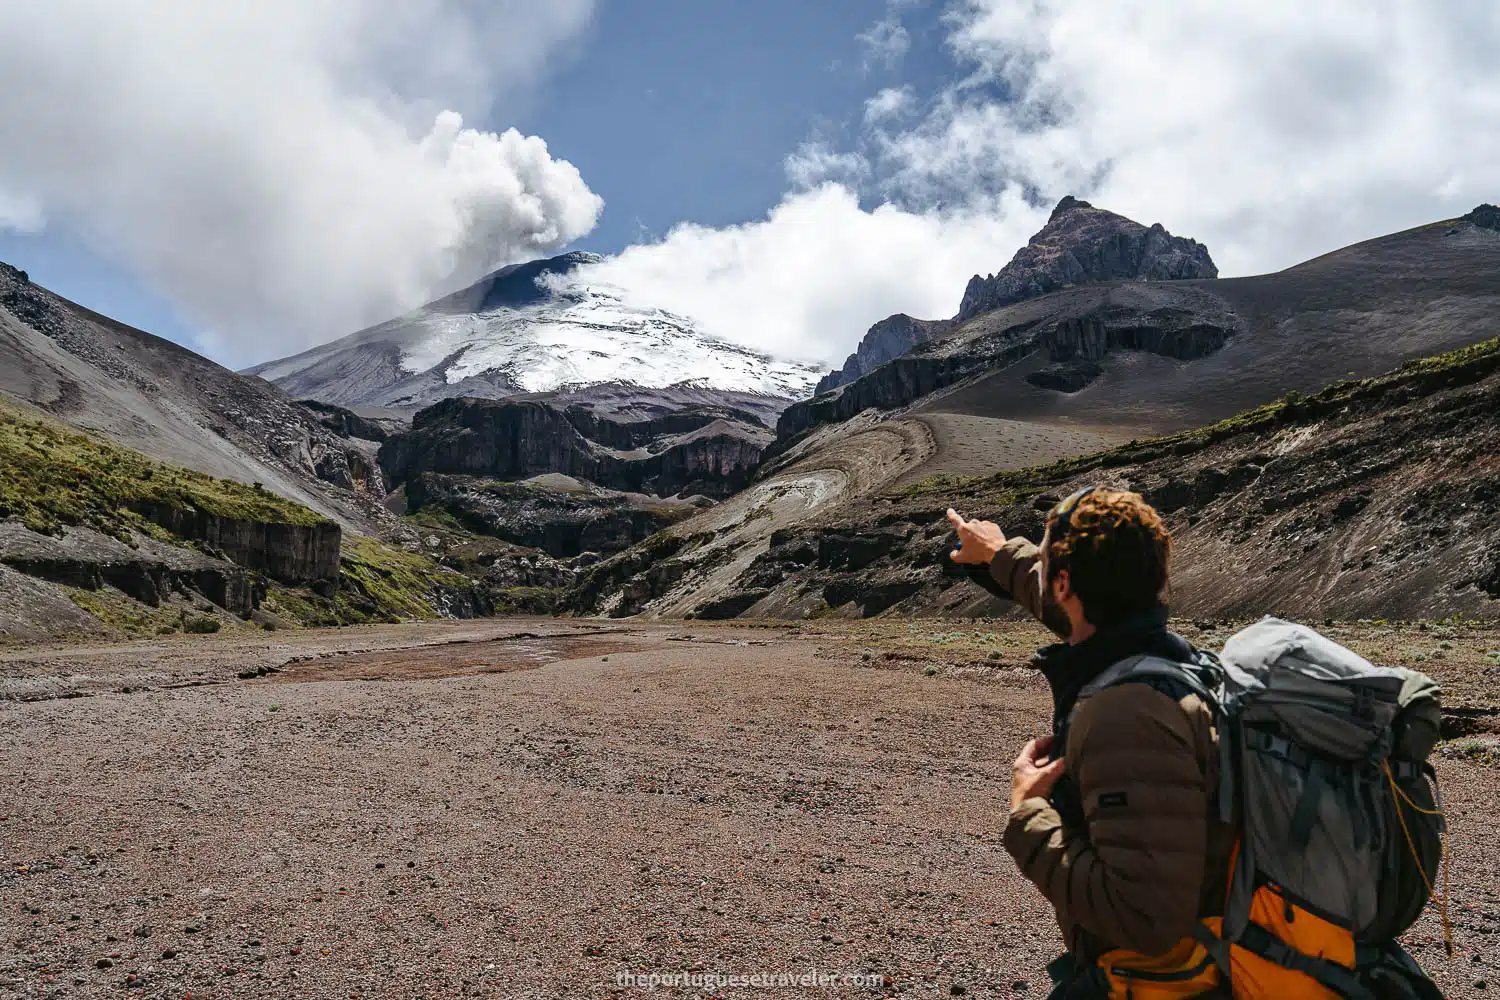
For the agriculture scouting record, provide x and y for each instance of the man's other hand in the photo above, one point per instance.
(978, 541)
(1033, 774)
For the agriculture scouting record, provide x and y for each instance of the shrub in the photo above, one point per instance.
(202, 625)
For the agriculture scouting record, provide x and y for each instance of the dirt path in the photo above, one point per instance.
(540, 806)
(858, 458)
(979, 446)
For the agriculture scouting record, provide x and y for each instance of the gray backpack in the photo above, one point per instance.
(1323, 770)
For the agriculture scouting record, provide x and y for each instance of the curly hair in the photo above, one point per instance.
(1115, 549)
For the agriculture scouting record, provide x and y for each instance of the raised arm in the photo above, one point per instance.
(1014, 563)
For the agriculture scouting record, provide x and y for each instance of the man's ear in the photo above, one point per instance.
(1062, 586)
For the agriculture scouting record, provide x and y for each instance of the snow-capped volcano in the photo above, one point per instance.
(529, 328)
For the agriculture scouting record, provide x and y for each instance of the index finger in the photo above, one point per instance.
(954, 518)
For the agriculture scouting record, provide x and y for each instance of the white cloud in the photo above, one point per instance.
(21, 213)
(1273, 132)
(286, 171)
(805, 282)
(892, 102)
(816, 163)
(885, 43)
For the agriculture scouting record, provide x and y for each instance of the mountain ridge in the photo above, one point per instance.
(1377, 302)
(175, 406)
(1079, 244)
(522, 329)
(1122, 361)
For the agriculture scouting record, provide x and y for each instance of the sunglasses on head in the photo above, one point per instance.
(1064, 510)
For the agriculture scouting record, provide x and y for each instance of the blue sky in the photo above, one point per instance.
(673, 111)
(685, 111)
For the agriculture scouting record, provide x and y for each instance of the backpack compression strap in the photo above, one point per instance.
(1259, 941)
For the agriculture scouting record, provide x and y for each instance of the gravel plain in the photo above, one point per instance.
(534, 808)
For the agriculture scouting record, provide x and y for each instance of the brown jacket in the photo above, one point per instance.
(1148, 860)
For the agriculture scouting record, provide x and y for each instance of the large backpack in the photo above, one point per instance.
(1323, 771)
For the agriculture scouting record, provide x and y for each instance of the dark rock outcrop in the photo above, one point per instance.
(534, 570)
(31, 304)
(1184, 334)
(1484, 217)
(629, 435)
(898, 383)
(706, 451)
(1065, 376)
(147, 570)
(639, 574)
(289, 553)
(885, 341)
(1079, 244)
(514, 285)
(729, 606)
(561, 523)
(345, 423)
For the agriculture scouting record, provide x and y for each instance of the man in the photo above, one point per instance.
(1110, 815)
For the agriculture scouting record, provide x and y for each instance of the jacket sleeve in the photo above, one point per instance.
(1018, 568)
(1133, 877)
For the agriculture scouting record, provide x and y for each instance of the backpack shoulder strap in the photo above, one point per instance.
(1175, 680)
(1204, 678)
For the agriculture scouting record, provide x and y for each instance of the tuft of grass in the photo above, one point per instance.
(437, 518)
(377, 583)
(942, 482)
(56, 476)
(1476, 750)
(123, 612)
(526, 600)
(400, 584)
(300, 606)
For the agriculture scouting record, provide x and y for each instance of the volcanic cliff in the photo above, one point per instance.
(1080, 244)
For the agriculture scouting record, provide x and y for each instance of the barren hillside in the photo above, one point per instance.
(1376, 498)
(1132, 359)
(177, 407)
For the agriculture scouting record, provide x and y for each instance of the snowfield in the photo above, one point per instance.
(533, 328)
(590, 336)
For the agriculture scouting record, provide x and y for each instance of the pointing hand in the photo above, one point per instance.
(978, 541)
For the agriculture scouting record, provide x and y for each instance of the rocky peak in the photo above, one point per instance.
(514, 285)
(1485, 217)
(1067, 204)
(1081, 243)
(888, 339)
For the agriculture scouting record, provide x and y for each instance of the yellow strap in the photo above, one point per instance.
(1442, 905)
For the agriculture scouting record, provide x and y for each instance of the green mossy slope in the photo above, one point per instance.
(52, 476)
